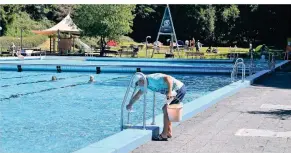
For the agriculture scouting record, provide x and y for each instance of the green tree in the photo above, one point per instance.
(58, 12)
(207, 18)
(227, 18)
(104, 21)
(37, 12)
(7, 15)
(24, 22)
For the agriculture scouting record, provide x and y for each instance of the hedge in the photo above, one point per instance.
(27, 42)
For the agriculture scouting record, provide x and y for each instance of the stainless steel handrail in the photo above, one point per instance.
(126, 95)
(251, 67)
(234, 72)
(154, 108)
(128, 115)
(272, 63)
(243, 70)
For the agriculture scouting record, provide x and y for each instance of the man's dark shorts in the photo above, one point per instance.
(180, 95)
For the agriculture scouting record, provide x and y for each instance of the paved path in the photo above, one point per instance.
(237, 124)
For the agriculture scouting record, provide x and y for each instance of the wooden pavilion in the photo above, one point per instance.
(65, 32)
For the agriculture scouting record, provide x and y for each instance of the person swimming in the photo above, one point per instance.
(54, 78)
(91, 79)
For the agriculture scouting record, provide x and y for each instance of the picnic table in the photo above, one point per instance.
(276, 52)
(237, 54)
(5, 53)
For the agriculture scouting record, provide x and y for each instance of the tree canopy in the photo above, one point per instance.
(104, 21)
(110, 21)
(219, 25)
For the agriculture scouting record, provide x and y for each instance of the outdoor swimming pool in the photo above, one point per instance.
(70, 113)
(38, 115)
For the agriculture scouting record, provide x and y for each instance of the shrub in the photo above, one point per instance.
(23, 21)
(258, 48)
(27, 42)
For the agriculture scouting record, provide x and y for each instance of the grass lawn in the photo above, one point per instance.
(43, 43)
(222, 53)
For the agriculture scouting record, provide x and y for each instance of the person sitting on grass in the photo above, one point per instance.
(167, 85)
(208, 49)
(215, 50)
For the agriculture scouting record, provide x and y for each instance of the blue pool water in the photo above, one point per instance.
(38, 115)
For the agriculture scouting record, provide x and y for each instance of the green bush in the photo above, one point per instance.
(27, 42)
(125, 39)
(90, 41)
(258, 48)
(23, 21)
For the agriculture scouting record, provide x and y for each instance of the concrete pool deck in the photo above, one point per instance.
(255, 119)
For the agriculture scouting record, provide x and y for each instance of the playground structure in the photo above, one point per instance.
(66, 33)
(167, 28)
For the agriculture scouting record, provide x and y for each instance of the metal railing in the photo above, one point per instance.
(238, 62)
(154, 108)
(144, 100)
(271, 62)
(252, 64)
(14, 52)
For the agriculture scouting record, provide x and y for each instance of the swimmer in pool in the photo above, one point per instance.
(91, 80)
(54, 78)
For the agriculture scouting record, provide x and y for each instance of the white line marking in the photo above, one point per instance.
(271, 106)
(262, 133)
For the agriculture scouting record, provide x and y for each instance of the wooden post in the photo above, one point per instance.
(50, 44)
(172, 44)
(59, 41)
(73, 44)
(54, 44)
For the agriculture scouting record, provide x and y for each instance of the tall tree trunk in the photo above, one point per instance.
(102, 46)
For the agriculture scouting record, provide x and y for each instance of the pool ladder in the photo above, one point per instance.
(238, 62)
(252, 65)
(144, 100)
(271, 62)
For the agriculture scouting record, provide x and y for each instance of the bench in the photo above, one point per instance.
(238, 54)
(281, 54)
(169, 55)
(195, 54)
(126, 53)
(5, 53)
(110, 52)
(97, 53)
(129, 51)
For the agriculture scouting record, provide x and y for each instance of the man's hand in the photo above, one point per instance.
(129, 107)
(168, 79)
(169, 95)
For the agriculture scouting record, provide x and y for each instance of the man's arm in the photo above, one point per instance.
(169, 80)
(134, 99)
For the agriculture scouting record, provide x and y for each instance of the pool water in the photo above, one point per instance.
(39, 115)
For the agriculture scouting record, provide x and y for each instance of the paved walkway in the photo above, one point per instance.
(256, 119)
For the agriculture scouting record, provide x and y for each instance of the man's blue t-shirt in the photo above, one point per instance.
(157, 83)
